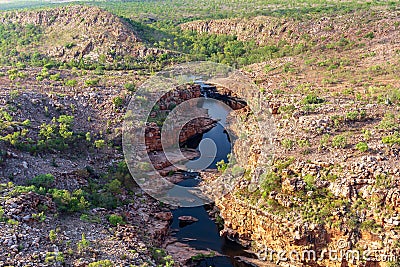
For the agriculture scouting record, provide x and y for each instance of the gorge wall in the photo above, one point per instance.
(276, 220)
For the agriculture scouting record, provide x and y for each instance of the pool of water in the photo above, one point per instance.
(217, 137)
(204, 234)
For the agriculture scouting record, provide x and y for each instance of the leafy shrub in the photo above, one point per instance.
(352, 115)
(130, 87)
(392, 139)
(57, 134)
(118, 101)
(1, 213)
(99, 70)
(388, 122)
(393, 96)
(66, 119)
(369, 35)
(270, 181)
(49, 65)
(65, 123)
(362, 146)
(20, 65)
(71, 83)
(116, 219)
(99, 143)
(310, 182)
(92, 82)
(66, 201)
(12, 77)
(47, 131)
(367, 134)
(54, 257)
(52, 236)
(55, 77)
(312, 99)
(339, 141)
(162, 258)
(288, 144)
(323, 142)
(222, 166)
(83, 244)
(303, 143)
(42, 180)
(23, 189)
(105, 200)
(114, 186)
(69, 45)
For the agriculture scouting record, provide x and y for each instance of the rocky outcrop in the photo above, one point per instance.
(168, 102)
(356, 194)
(225, 95)
(251, 225)
(184, 253)
(193, 128)
(324, 30)
(76, 32)
(186, 220)
(22, 207)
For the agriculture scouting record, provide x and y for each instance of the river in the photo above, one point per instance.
(204, 234)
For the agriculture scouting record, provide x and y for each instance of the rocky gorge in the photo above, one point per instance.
(316, 144)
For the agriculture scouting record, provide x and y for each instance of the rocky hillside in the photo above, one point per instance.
(334, 183)
(78, 31)
(382, 26)
(66, 196)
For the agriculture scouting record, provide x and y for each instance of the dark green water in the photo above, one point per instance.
(204, 234)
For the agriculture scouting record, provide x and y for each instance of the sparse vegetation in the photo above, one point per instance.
(118, 102)
(83, 244)
(52, 236)
(115, 219)
(71, 82)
